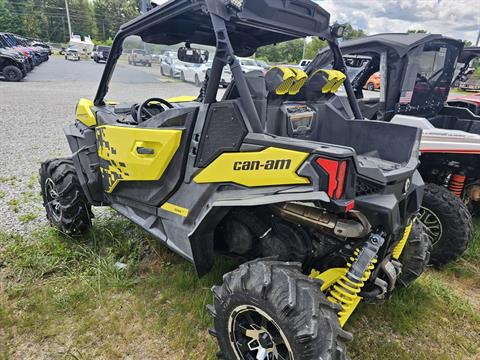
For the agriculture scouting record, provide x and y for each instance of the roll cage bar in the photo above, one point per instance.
(233, 31)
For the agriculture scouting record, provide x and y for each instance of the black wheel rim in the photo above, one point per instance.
(52, 197)
(254, 335)
(432, 223)
(11, 75)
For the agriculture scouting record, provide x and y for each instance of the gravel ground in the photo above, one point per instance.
(33, 113)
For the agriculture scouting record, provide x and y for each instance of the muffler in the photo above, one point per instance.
(320, 219)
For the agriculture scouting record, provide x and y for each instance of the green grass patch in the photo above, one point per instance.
(26, 218)
(2, 194)
(32, 181)
(8, 180)
(14, 205)
(66, 297)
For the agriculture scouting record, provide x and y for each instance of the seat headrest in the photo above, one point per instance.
(283, 80)
(329, 81)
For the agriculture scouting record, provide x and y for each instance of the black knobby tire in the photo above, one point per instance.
(12, 73)
(455, 224)
(294, 303)
(415, 255)
(63, 198)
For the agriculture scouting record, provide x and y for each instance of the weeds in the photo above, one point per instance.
(14, 205)
(155, 308)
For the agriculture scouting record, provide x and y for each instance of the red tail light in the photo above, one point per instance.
(336, 171)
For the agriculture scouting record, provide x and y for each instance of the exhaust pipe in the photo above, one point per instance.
(319, 219)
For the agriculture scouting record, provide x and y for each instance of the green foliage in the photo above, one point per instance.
(293, 51)
(286, 52)
(47, 19)
(417, 31)
(351, 33)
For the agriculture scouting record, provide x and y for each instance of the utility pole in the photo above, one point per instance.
(68, 20)
(478, 38)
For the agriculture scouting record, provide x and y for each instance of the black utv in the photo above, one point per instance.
(324, 222)
(12, 65)
(416, 72)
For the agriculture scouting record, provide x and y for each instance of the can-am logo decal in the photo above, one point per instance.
(259, 165)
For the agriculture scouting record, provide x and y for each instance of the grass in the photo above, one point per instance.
(2, 194)
(63, 297)
(26, 218)
(14, 205)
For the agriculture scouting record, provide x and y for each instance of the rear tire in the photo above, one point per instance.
(182, 76)
(12, 73)
(63, 198)
(415, 255)
(448, 222)
(267, 305)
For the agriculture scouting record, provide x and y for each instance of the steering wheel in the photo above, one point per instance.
(145, 110)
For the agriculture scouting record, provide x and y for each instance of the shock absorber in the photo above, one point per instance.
(457, 183)
(345, 291)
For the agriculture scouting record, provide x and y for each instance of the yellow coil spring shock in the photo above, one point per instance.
(346, 291)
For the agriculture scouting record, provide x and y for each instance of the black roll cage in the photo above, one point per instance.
(220, 14)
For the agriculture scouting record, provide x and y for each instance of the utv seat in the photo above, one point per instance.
(256, 83)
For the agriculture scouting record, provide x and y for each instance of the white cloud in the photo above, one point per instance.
(455, 18)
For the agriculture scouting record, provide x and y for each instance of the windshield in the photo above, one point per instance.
(428, 77)
(135, 79)
(103, 48)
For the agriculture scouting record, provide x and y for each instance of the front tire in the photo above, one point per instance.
(265, 308)
(12, 73)
(63, 198)
(415, 256)
(448, 223)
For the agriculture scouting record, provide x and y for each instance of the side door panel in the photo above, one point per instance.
(134, 154)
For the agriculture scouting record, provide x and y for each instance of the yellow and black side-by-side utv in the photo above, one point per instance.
(325, 222)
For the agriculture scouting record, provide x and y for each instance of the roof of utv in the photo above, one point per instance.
(401, 43)
(468, 54)
(259, 23)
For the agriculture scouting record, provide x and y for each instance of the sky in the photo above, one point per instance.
(455, 18)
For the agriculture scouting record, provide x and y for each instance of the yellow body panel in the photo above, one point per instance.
(397, 251)
(84, 113)
(175, 209)
(117, 146)
(180, 99)
(269, 167)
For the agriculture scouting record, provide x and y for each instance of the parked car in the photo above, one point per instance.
(12, 65)
(304, 63)
(250, 65)
(72, 54)
(195, 73)
(138, 56)
(170, 65)
(263, 64)
(101, 53)
(7, 42)
(373, 82)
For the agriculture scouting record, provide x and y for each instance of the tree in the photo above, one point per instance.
(352, 33)
(110, 14)
(417, 31)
